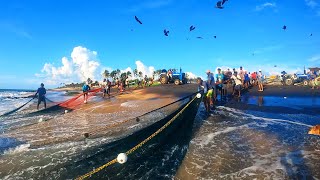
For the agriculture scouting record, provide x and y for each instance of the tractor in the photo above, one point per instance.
(294, 79)
(171, 76)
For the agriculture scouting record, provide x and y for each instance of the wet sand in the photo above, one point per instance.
(272, 90)
(276, 93)
(99, 116)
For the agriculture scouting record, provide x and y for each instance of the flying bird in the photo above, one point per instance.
(311, 34)
(199, 37)
(166, 33)
(137, 19)
(192, 28)
(215, 37)
(219, 5)
(284, 27)
(275, 65)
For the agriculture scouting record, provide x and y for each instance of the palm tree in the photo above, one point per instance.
(89, 81)
(135, 72)
(118, 73)
(106, 74)
(129, 73)
(113, 74)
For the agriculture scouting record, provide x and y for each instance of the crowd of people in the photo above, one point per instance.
(224, 80)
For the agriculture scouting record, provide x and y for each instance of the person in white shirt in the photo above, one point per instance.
(238, 82)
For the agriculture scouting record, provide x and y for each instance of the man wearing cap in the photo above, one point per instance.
(42, 92)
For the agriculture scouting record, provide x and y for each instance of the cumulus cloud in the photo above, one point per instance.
(190, 75)
(86, 62)
(83, 65)
(145, 69)
(266, 5)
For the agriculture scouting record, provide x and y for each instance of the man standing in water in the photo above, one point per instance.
(85, 90)
(211, 87)
(203, 86)
(42, 92)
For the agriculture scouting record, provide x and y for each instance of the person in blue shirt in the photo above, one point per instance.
(41, 95)
(85, 90)
(219, 82)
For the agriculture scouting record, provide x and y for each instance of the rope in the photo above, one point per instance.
(10, 112)
(154, 110)
(89, 174)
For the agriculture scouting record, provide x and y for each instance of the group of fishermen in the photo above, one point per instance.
(225, 80)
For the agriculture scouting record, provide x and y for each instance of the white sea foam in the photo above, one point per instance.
(19, 149)
(245, 115)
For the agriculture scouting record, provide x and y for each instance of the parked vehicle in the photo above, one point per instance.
(288, 79)
(172, 76)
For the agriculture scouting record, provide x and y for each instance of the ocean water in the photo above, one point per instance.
(227, 144)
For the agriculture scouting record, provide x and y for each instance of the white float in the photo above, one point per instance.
(285, 97)
(122, 158)
(66, 111)
(198, 95)
(40, 120)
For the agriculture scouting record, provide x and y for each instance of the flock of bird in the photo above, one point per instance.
(219, 5)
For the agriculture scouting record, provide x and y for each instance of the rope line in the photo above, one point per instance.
(10, 112)
(89, 174)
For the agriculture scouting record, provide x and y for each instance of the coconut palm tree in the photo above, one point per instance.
(129, 73)
(135, 72)
(105, 74)
(113, 74)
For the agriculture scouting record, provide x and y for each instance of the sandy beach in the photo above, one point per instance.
(97, 117)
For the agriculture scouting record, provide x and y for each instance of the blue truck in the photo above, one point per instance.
(172, 76)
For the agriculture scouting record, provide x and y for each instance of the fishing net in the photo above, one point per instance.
(78, 100)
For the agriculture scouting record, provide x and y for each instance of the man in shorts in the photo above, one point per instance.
(203, 86)
(237, 80)
(104, 87)
(41, 97)
(260, 81)
(85, 90)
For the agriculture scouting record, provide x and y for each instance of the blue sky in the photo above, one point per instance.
(34, 33)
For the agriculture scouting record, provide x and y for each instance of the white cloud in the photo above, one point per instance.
(145, 69)
(266, 5)
(83, 65)
(86, 62)
(190, 75)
